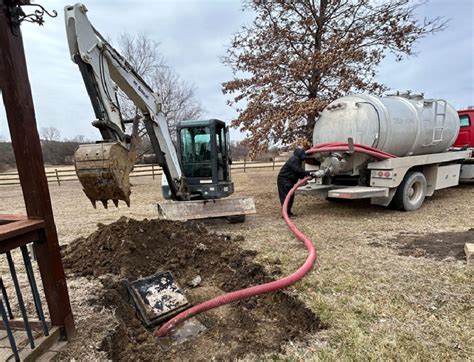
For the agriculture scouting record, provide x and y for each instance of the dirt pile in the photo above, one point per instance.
(130, 249)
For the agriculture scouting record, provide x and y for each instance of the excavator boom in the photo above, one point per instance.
(103, 168)
(200, 172)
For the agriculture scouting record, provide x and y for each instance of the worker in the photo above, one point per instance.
(289, 175)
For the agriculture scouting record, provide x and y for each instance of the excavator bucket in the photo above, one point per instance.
(103, 170)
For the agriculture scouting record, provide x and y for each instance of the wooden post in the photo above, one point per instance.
(245, 161)
(20, 113)
(273, 167)
(153, 170)
(57, 176)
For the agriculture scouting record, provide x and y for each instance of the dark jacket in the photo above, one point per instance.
(292, 170)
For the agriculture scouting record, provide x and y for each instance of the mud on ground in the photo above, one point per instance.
(130, 249)
(438, 246)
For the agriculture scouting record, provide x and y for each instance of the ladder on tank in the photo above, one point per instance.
(439, 120)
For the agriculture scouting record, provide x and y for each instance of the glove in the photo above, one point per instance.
(316, 174)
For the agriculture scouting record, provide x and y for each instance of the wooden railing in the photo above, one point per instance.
(28, 334)
(61, 175)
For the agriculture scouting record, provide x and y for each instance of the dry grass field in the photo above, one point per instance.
(388, 284)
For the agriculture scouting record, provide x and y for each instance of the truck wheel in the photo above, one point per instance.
(411, 193)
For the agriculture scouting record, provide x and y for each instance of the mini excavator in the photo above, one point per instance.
(196, 174)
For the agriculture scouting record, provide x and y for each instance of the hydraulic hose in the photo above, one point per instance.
(288, 280)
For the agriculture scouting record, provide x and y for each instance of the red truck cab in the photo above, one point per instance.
(466, 132)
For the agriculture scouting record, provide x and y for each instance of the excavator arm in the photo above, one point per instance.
(103, 168)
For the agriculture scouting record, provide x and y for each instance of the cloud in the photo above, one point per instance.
(444, 64)
(193, 35)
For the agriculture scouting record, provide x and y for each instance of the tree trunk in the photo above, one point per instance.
(310, 122)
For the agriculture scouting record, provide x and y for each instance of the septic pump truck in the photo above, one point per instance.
(428, 143)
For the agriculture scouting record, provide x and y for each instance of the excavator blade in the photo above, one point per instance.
(103, 170)
(232, 208)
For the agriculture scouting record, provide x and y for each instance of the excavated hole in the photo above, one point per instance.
(130, 249)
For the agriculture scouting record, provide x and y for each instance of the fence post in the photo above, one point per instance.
(57, 176)
(153, 170)
(273, 167)
(245, 162)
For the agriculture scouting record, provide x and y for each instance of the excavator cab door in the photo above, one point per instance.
(203, 152)
(222, 154)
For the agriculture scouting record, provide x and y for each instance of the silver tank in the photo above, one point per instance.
(403, 125)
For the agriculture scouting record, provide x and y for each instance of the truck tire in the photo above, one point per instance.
(411, 193)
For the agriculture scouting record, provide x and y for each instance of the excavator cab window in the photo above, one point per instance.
(196, 151)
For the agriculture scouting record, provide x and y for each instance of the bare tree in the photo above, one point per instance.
(50, 134)
(143, 55)
(238, 150)
(178, 97)
(51, 145)
(7, 157)
(57, 151)
(80, 139)
(297, 56)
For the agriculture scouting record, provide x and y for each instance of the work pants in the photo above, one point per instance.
(284, 187)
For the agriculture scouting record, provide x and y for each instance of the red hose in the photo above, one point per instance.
(334, 147)
(258, 289)
(286, 281)
(344, 146)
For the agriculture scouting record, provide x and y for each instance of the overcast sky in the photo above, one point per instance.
(193, 36)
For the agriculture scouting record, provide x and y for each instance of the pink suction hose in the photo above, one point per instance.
(288, 280)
